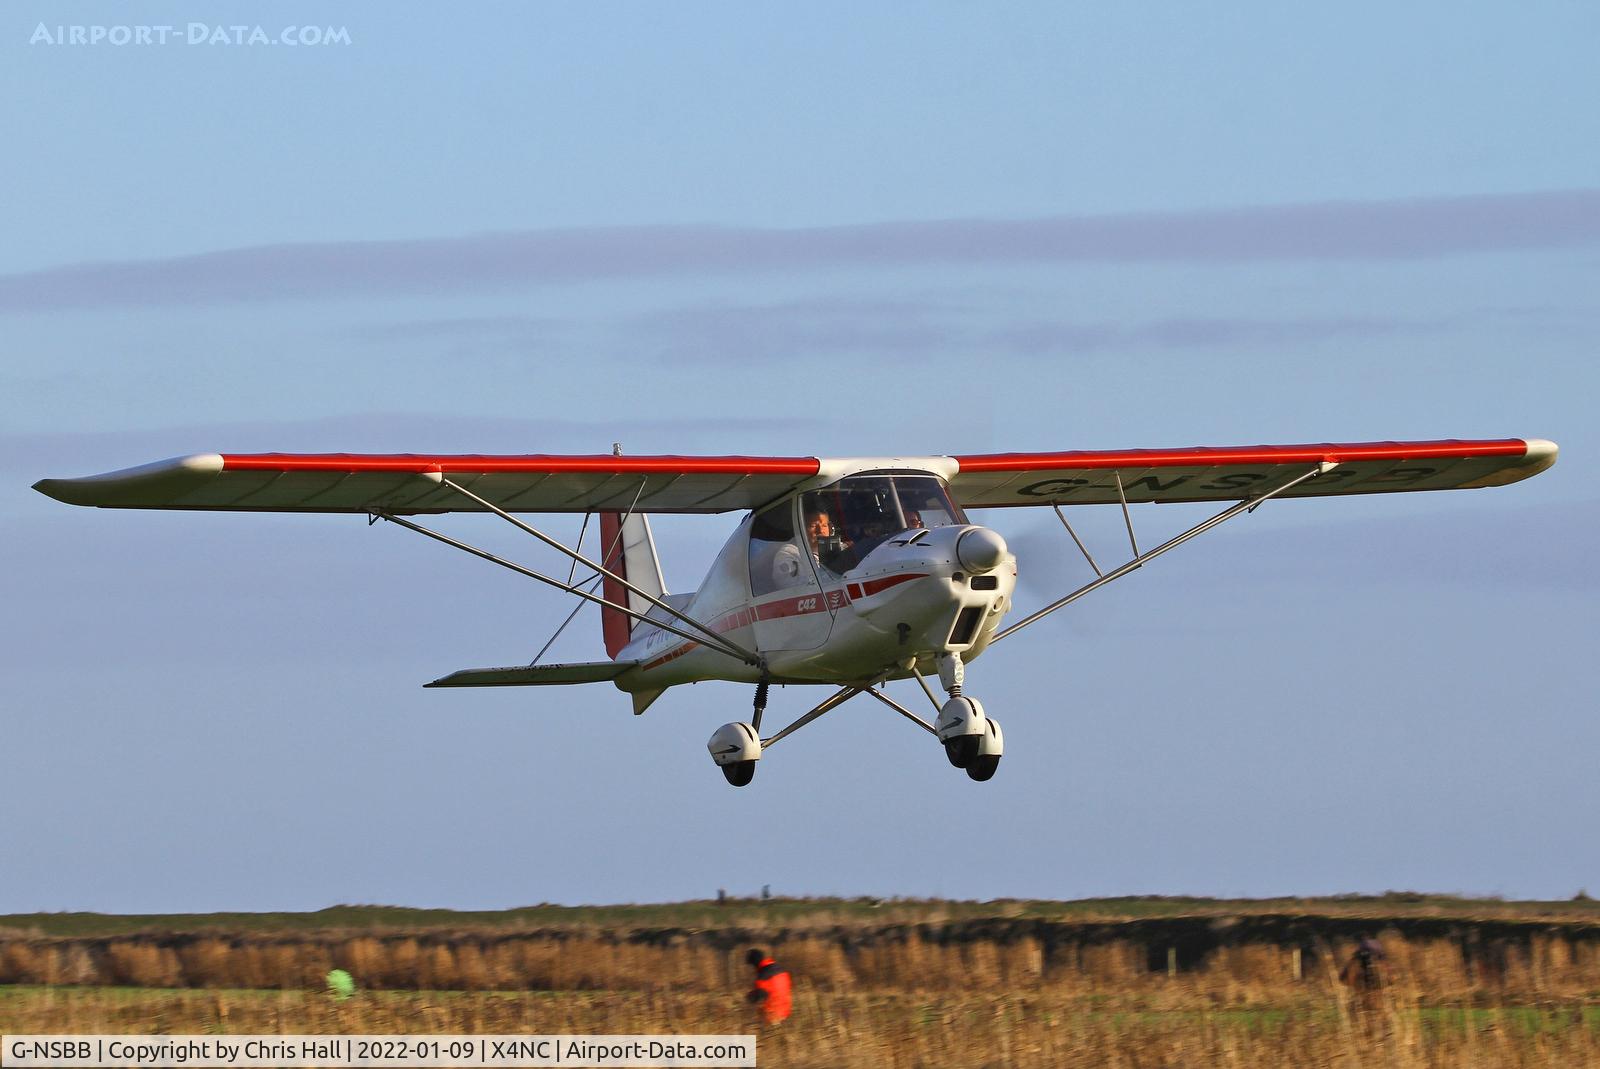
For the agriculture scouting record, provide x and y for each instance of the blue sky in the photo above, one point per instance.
(719, 228)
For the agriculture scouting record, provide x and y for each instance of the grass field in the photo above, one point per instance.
(1176, 1028)
(1142, 982)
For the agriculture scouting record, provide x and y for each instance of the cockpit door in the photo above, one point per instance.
(792, 601)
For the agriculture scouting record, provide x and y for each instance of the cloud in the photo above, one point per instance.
(819, 327)
(1046, 337)
(518, 328)
(839, 327)
(1376, 230)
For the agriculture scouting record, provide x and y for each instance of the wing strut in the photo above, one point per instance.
(570, 588)
(1081, 547)
(1171, 543)
(844, 694)
(903, 711)
(836, 699)
(1122, 495)
(726, 644)
(590, 581)
(923, 683)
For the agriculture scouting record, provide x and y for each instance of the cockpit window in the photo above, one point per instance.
(775, 560)
(925, 503)
(850, 519)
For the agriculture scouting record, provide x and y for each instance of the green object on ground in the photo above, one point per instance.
(340, 984)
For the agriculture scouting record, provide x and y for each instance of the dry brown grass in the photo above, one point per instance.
(985, 993)
(1179, 1026)
(1523, 966)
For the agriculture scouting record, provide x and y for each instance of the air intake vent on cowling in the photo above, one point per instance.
(966, 626)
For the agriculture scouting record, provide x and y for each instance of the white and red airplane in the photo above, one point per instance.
(847, 572)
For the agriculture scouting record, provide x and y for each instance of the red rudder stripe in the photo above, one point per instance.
(616, 625)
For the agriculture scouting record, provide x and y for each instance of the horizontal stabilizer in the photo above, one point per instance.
(538, 675)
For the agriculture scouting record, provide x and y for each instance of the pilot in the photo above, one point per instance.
(826, 541)
(789, 566)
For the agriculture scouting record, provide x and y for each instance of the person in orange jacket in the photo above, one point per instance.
(771, 990)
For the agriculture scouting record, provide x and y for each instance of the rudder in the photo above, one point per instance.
(630, 552)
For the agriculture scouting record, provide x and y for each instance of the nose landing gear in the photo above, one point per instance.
(972, 740)
(986, 761)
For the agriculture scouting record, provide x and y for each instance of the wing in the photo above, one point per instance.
(408, 483)
(1235, 473)
(535, 675)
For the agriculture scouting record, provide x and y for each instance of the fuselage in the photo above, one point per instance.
(902, 579)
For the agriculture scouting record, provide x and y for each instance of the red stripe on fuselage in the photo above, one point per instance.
(781, 608)
(878, 586)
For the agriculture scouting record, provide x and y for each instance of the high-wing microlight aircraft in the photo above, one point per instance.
(846, 572)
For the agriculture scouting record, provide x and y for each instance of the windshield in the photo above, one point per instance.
(850, 519)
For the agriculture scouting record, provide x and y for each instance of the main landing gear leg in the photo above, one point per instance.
(972, 741)
(761, 705)
(737, 747)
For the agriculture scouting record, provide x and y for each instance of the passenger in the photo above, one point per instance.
(771, 990)
(786, 568)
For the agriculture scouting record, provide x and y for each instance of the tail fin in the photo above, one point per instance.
(630, 552)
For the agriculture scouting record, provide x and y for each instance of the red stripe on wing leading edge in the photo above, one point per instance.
(1252, 454)
(533, 463)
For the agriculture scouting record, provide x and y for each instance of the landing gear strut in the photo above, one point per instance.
(972, 741)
